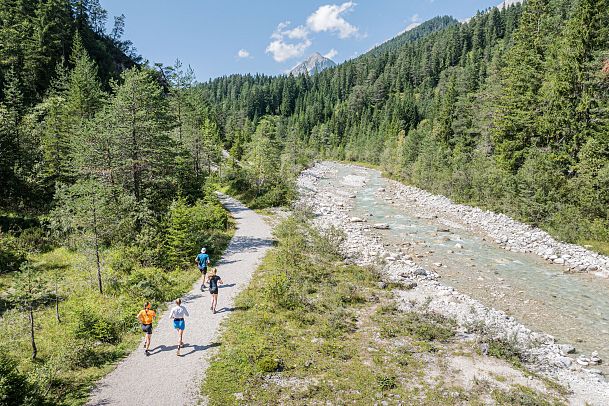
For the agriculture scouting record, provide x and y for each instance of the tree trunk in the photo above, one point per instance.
(99, 276)
(57, 303)
(32, 336)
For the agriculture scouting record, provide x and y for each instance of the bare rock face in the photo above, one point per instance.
(314, 64)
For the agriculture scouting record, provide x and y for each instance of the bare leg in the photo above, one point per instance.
(179, 341)
(148, 341)
(214, 301)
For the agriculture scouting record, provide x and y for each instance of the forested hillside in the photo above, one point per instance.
(508, 112)
(106, 168)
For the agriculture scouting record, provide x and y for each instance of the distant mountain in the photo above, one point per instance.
(315, 63)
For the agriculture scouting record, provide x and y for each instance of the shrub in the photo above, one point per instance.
(268, 364)
(190, 227)
(386, 382)
(90, 325)
(278, 291)
(14, 386)
(11, 256)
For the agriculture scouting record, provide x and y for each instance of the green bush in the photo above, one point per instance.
(268, 364)
(280, 195)
(386, 382)
(188, 228)
(15, 390)
(35, 239)
(278, 291)
(90, 325)
(11, 256)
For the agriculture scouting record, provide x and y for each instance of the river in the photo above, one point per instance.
(574, 308)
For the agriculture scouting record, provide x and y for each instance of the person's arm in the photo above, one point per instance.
(220, 281)
(186, 311)
(197, 260)
(139, 317)
(208, 261)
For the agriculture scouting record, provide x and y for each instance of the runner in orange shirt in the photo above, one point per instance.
(146, 317)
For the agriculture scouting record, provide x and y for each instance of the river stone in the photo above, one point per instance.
(566, 349)
(381, 226)
(564, 362)
(356, 220)
(459, 246)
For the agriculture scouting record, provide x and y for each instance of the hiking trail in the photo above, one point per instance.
(162, 378)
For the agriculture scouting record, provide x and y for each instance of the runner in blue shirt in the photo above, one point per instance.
(202, 260)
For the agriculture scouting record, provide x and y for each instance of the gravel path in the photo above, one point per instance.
(164, 378)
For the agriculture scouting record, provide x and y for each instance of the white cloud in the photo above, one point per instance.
(331, 53)
(329, 18)
(287, 43)
(243, 53)
(282, 50)
(299, 32)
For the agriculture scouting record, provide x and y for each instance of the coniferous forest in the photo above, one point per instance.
(107, 173)
(108, 163)
(508, 111)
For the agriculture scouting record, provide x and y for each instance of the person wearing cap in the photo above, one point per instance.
(177, 315)
(202, 260)
(146, 317)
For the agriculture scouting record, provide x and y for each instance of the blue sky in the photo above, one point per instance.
(269, 36)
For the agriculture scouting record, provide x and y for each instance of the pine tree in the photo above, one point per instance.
(139, 121)
(85, 210)
(516, 126)
(27, 292)
(84, 95)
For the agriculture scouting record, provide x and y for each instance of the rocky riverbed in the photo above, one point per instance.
(422, 288)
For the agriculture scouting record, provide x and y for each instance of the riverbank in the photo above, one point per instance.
(312, 330)
(539, 352)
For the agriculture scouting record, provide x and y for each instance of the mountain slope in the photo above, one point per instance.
(314, 64)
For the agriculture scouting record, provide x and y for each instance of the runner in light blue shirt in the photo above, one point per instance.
(202, 260)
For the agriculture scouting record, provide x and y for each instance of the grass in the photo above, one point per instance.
(95, 330)
(602, 247)
(312, 330)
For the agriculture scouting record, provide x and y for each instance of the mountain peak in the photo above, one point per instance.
(316, 62)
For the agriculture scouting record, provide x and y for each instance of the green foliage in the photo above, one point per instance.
(508, 112)
(90, 325)
(191, 227)
(11, 256)
(330, 347)
(15, 390)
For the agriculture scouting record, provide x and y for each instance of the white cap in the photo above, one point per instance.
(203, 250)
